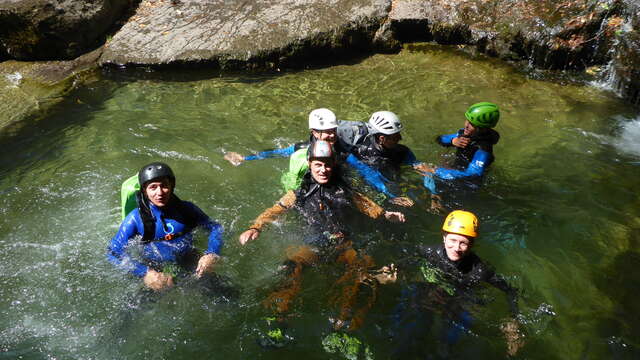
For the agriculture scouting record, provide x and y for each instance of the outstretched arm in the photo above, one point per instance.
(369, 174)
(373, 210)
(236, 158)
(476, 167)
(510, 328)
(268, 216)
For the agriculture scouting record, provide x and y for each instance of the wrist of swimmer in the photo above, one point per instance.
(255, 228)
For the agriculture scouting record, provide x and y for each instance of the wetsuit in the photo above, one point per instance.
(458, 278)
(386, 160)
(324, 207)
(171, 243)
(470, 162)
(435, 284)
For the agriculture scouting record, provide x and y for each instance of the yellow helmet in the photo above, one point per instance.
(461, 222)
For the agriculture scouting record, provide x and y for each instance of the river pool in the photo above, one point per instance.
(559, 210)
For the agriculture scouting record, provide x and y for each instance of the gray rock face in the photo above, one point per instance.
(551, 34)
(247, 34)
(55, 29)
(548, 34)
(241, 33)
(626, 59)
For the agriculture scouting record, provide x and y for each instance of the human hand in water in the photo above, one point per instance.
(157, 280)
(423, 168)
(460, 141)
(249, 235)
(234, 158)
(515, 339)
(205, 264)
(385, 274)
(402, 201)
(394, 216)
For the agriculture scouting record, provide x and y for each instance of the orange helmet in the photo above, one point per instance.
(461, 222)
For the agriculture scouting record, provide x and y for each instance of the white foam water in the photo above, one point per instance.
(627, 140)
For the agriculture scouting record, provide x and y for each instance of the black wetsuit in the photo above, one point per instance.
(387, 161)
(325, 207)
(460, 277)
(436, 289)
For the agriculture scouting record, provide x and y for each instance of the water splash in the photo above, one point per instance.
(537, 320)
(627, 140)
(14, 79)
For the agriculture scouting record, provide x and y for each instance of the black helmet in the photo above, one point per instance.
(154, 171)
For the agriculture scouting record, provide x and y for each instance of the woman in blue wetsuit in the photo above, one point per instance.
(159, 232)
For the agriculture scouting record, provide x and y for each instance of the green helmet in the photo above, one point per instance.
(483, 114)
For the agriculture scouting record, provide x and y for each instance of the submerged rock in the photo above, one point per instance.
(246, 34)
(29, 88)
(55, 29)
(273, 34)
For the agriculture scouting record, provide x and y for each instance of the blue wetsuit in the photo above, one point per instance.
(275, 153)
(470, 163)
(383, 163)
(174, 220)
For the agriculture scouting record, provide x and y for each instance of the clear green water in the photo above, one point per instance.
(559, 211)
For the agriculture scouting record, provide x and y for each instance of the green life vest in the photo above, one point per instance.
(128, 195)
(298, 166)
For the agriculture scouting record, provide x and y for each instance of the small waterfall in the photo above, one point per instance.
(621, 73)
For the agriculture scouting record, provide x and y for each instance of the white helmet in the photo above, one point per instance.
(322, 119)
(320, 149)
(385, 122)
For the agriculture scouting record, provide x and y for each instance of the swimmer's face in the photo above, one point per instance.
(159, 192)
(457, 246)
(469, 129)
(321, 170)
(329, 135)
(389, 141)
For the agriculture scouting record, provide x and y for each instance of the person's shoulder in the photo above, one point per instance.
(427, 250)
(190, 205)
(403, 149)
(132, 215)
(478, 263)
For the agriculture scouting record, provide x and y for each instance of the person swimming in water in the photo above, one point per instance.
(442, 278)
(474, 153)
(160, 229)
(325, 202)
